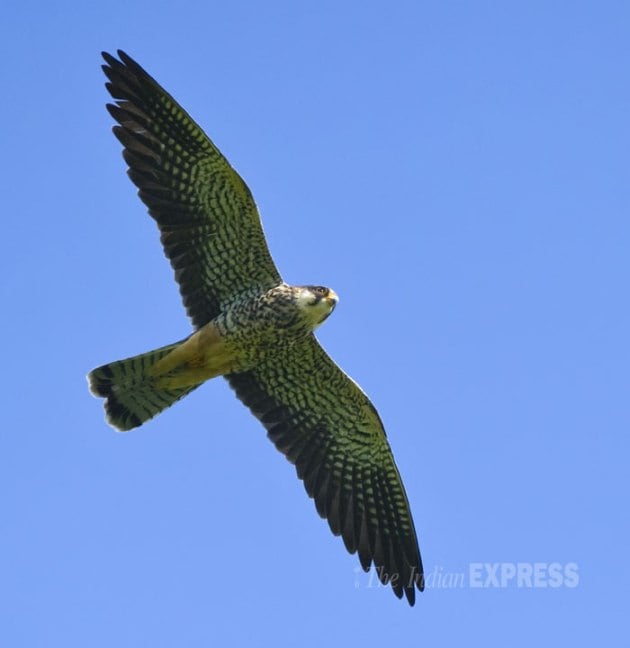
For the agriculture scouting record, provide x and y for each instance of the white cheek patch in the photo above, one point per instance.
(304, 300)
(316, 313)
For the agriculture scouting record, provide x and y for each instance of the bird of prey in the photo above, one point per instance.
(254, 330)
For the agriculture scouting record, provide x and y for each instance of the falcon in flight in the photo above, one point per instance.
(254, 330)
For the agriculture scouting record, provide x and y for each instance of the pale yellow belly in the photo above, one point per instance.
(204, 355)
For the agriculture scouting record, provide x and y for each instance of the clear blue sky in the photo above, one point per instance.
(458, 173)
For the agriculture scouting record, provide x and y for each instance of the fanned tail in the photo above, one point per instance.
(130, 390)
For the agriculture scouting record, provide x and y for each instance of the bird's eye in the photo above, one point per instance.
(318, 293)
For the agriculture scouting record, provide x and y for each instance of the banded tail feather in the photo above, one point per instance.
(132, 396)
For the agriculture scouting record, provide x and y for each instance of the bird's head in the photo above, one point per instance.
(316, 303)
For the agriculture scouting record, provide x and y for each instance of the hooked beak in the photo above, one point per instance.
(332, 298)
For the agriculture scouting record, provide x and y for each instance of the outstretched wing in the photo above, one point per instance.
(324, 424)
(209, 224)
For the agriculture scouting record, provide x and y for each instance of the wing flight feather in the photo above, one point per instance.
(326, 426)
(209, 224)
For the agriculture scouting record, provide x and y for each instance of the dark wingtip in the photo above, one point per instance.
(123, 60)
(416, 582)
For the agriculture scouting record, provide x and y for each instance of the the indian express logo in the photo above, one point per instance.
(490, 575)
(529, 575)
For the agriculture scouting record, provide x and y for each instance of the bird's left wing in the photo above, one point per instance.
(209, 223)
(323, 423)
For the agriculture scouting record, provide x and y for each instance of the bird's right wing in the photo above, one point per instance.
(323, 423)
(209, 223)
